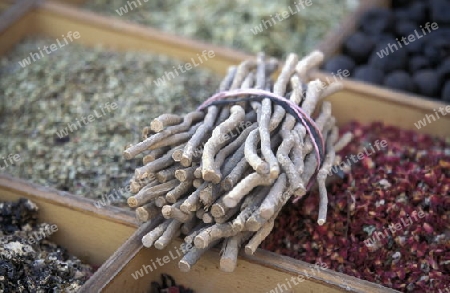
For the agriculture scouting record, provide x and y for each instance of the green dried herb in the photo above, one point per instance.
(230, 23)
(39, 100)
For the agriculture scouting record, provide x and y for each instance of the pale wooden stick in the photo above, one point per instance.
(193, 256)
(228, 261)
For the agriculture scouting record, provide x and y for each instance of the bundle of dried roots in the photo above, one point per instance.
(223, 172)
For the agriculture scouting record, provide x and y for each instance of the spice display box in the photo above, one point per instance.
(95, 235)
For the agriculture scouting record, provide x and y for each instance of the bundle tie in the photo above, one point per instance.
(288, 105)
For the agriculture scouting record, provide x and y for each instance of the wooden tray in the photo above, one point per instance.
(94, 234)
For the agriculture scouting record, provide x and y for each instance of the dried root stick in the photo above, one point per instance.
(264, 133)
(235, 175)
(155, 166)
(210, 194)
(176, 139)
(307, 63)
(149, 143)
(279, 88)
(154, 154)
(216, 141)
(323, 174)
(160, 201)
(228, 260)
(193, 256)
(251, 155)
(187, 227)
(179, 191)
(164, 120)
(231, 162)
(147, 212)
(230, 148)
(186, 174)
(166, 174)
(244, 187)
(274, 198)
(192, 202)
(172, 231)
(173, 212)
(286, 163)
(196, 139)
(189, 239)
(343, 142)
(256, 240)
(153, 235)
(148, 194)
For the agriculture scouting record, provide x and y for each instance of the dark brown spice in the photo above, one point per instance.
(29, 262)
(409, 177)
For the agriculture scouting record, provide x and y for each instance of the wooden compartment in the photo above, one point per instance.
(262, 272)
(89, 233)
(94, 234)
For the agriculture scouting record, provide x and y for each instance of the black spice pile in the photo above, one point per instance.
(30, 263)
(406, 184)
(406, 48)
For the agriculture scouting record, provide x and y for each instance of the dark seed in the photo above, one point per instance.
(427, 82)
(339, 62)
(440, 11)
(404, 28)
(446, 92)
(417, 63)
(444, 70)
(399, 80)
(437, 50)
(418, 12)
(377, 21)
(359, 46)
(395, 59)
(369, 74)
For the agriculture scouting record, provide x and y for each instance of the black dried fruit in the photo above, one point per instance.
(377, 21)
(418, 12)
(359, 46)
(399, 80)
(444, 70)
(427, 82)
(437, 49)
(401, 14)
(419, 43)
(339, 62)
(446, 92)
(404, 28)
(400, 3)
(384, 38)
(389, 57)
(440, 10)
(369, 74)
(417, 63)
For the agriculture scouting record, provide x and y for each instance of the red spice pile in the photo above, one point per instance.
(410, 177)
